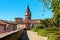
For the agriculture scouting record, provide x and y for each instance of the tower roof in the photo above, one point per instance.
(28, 11)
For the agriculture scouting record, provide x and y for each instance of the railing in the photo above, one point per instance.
(14, 35)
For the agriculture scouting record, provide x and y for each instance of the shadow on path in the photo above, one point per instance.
(24, 36)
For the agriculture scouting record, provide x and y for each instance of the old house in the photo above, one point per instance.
(2, 26)
(7, 26)
(11, 26)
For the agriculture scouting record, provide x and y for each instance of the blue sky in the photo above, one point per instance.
(9, 9)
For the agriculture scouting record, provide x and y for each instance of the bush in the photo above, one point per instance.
(41, 27)
(53, 30)
(42, 32)
(34, 29)
(53, 36)
(37, 27)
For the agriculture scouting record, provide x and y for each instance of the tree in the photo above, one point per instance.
(55, 6)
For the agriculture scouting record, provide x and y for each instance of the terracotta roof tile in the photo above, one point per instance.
(1, 22)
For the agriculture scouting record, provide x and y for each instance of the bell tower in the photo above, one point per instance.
(27, 18)
(28, 14)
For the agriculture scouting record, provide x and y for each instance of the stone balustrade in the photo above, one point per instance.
(14, 35)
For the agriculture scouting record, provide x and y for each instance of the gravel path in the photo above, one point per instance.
(30, 35)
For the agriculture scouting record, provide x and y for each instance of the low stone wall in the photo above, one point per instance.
(14, 35)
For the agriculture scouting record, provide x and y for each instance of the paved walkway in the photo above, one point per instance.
(24, 36)
(30, 35)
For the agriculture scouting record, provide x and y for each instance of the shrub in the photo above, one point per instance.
(53, 36)
(37, 27)
(34, 29)
(53, 30)
(41, 27)
(42, 32)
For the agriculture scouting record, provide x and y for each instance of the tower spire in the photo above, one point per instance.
(28, 10)
(28, 13)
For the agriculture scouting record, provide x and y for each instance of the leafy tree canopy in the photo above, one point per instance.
(55, 6)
